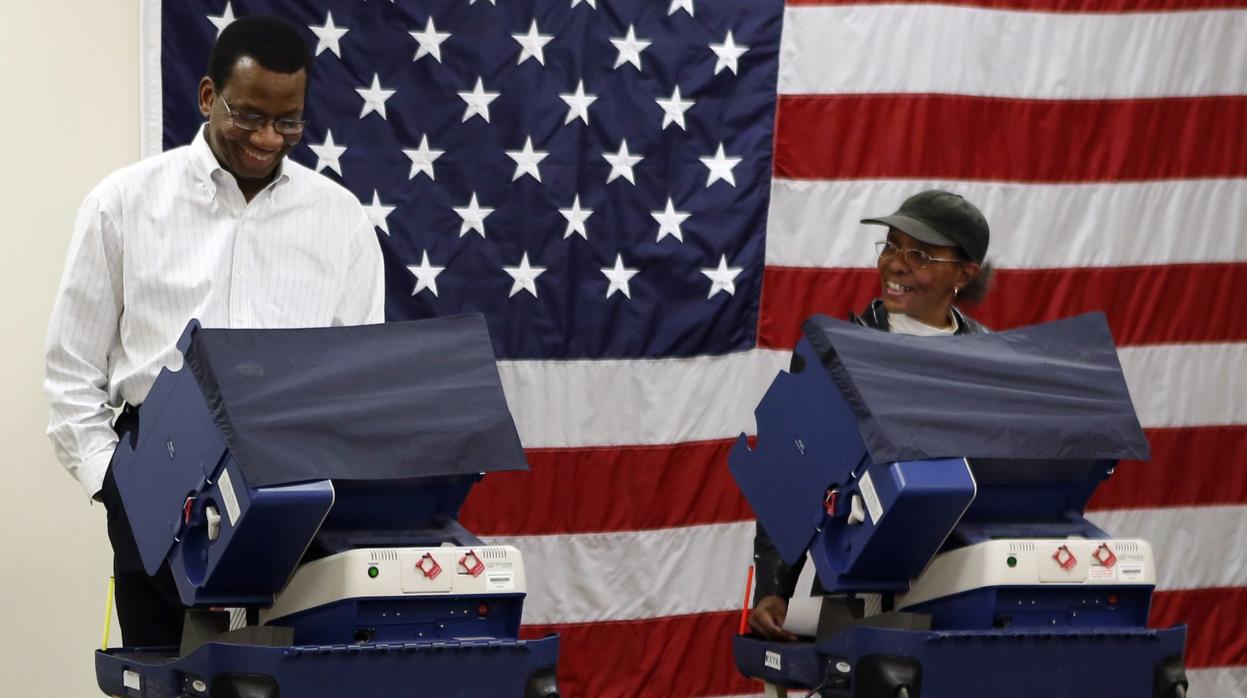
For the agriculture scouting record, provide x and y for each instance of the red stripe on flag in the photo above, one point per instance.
(1184, 302)
(625, 488)
(1071, 6)
(790, 295)
(644, 488)
(659, 658)
(985, 138)
(1189, 466)
(1214, 618)
(692, 656)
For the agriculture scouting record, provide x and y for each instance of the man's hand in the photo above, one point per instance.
(767, 619)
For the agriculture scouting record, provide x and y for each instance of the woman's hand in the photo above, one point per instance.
(767, 619)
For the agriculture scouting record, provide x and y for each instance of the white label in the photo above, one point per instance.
(1131, 573)
(773, 660)
(500, 581)
(873, 506)
(1100, 574)
(130, 679)
(230, 497)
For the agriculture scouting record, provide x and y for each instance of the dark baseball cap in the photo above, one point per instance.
(941, 218)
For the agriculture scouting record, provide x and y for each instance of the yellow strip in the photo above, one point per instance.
(108, 612)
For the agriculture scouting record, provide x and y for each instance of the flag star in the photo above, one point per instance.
(578, 104)
(328, 36)
(727, 52)
(723, 278)
(426, 275)
(473, 217)
(622, 163)
(576, 218)
(328, 154)
(686, 5)
(669, 221)
(674, 108)
(430, 41)
(526, 160)
(422, 158)
(531, 44)
(525, 277)
(630, 48)
(619, 277)
(591, 3)
(478, 101)
(720, 167)
(378, 211)
(374, 97)
(226, 19)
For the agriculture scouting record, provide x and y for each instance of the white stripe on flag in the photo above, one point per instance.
(1031, 55)
(634, 575)
(661, 401)
(1230, 682)
(563, 404)
(1187, 385)
(631, 575)
(1034, 226)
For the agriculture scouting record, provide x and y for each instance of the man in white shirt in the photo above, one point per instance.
(225, 230)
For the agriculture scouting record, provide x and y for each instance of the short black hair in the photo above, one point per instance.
(274, 44)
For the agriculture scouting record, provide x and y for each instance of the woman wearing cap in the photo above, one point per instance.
(934, 256)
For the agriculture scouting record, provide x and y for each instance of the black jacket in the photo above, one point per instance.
(773, 576)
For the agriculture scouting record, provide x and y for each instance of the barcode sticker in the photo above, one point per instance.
(500, 581)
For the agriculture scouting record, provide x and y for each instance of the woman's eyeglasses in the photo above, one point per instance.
(913, 257)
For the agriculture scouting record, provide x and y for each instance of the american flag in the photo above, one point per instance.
(647, 197)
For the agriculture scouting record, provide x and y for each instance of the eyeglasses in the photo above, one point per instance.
(913, 257)
(255, 122)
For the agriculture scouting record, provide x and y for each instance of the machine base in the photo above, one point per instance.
(467, 668)
(866, 662)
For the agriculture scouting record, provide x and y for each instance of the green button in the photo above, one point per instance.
(373, 571)
(1012, 561)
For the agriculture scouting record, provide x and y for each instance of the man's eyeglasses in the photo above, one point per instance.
(255, 122)
(913, 257)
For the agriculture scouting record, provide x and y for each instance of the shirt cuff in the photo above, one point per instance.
(91, 472)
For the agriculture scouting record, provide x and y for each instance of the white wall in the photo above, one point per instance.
(68, 116)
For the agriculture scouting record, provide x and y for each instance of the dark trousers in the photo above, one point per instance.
(149, 609)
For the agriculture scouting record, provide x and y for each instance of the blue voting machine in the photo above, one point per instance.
(938, 486)
(312, 478)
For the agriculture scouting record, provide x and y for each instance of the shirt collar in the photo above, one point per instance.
(210, 171)
(903, 324)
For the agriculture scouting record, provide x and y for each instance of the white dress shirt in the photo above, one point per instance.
(171, 238)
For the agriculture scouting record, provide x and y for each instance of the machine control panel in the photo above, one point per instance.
(1027, 562)
(398, 572)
